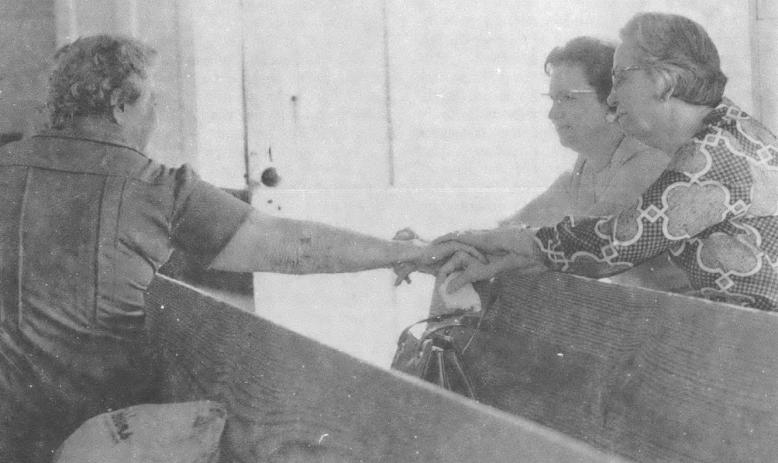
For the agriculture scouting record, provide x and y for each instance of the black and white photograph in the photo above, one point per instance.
(244, 231)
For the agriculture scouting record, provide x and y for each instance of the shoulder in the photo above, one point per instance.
(633, 152)
(729, 142)
(743, 134)
(637, 163)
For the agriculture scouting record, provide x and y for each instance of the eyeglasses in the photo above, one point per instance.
(567, 98)
(616, 73)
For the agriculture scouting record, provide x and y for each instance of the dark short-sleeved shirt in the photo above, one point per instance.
(85, 222)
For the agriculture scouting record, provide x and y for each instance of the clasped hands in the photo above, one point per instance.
(486, 253)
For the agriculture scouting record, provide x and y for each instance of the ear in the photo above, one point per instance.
(667, 93)
(118, 109)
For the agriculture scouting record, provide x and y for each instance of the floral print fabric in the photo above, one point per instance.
(715, 209)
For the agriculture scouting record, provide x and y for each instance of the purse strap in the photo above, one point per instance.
(457, 319)
(436, 358)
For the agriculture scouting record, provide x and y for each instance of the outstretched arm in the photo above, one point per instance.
(266, 243)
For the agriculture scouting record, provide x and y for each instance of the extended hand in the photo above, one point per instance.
(498, 241)
(474, 270)
(429, 258)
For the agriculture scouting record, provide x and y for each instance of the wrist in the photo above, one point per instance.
(524, 243)
(402, 252)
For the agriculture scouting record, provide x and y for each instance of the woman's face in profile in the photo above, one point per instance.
(638, 106)
(577, 114)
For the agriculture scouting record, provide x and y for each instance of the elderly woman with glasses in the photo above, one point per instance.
(612, 169)
(715, 207)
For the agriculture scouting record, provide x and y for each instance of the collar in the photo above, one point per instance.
(725, 109)
(93, 129)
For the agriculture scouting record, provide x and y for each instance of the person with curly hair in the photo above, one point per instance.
(86, 221)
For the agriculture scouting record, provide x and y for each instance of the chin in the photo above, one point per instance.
(567, 143)
(627, 127)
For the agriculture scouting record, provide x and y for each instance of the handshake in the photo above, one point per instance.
(477, 255)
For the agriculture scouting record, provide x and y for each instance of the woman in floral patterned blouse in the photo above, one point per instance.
(715, 208)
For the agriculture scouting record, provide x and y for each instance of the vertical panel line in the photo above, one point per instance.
(756, 65)
(388, 97)
(244, 104)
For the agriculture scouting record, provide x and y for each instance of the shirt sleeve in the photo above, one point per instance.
(549, 207)
(681, 204)
(205, 217)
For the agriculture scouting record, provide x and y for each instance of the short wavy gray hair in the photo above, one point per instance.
(679, 54)
(88, 71)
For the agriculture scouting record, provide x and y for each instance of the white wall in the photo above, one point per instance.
(764, 43)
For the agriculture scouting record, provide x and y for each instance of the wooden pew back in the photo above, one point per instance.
(649, 375)
(289, 396)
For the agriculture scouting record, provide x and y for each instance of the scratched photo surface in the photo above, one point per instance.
(373, 115)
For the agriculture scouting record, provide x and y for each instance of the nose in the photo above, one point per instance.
(555, 112)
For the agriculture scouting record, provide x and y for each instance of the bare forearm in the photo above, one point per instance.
(275, 244)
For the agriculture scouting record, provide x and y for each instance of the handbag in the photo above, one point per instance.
(434, 355)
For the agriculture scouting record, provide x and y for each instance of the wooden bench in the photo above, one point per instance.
(286, 393)
(648, 375)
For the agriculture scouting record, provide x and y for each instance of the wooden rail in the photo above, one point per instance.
(289, 396)
(649, 375)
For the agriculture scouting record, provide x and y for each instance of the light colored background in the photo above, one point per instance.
(378, 114)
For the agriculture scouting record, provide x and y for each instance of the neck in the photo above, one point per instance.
(599, 151)
(102, 127)
(684, 122)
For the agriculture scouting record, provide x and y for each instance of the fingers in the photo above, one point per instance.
(482, 240)
(453, 236)
(459, 282)
(406, 234)
(403, 272)
(457, 262)
(462, 247)
(472, 271)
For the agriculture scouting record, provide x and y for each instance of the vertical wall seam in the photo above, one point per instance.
(388, 96)
(244, 105)
(754, 39)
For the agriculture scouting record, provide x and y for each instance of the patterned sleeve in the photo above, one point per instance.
(707, 186)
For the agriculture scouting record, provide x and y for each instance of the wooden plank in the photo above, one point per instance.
(287, 392)
(649, 375)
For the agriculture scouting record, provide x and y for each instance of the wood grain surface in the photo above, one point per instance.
(292, 399)
(649, 375)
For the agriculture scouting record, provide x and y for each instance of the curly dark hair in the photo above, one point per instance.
(88, 71)
(593, 56)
